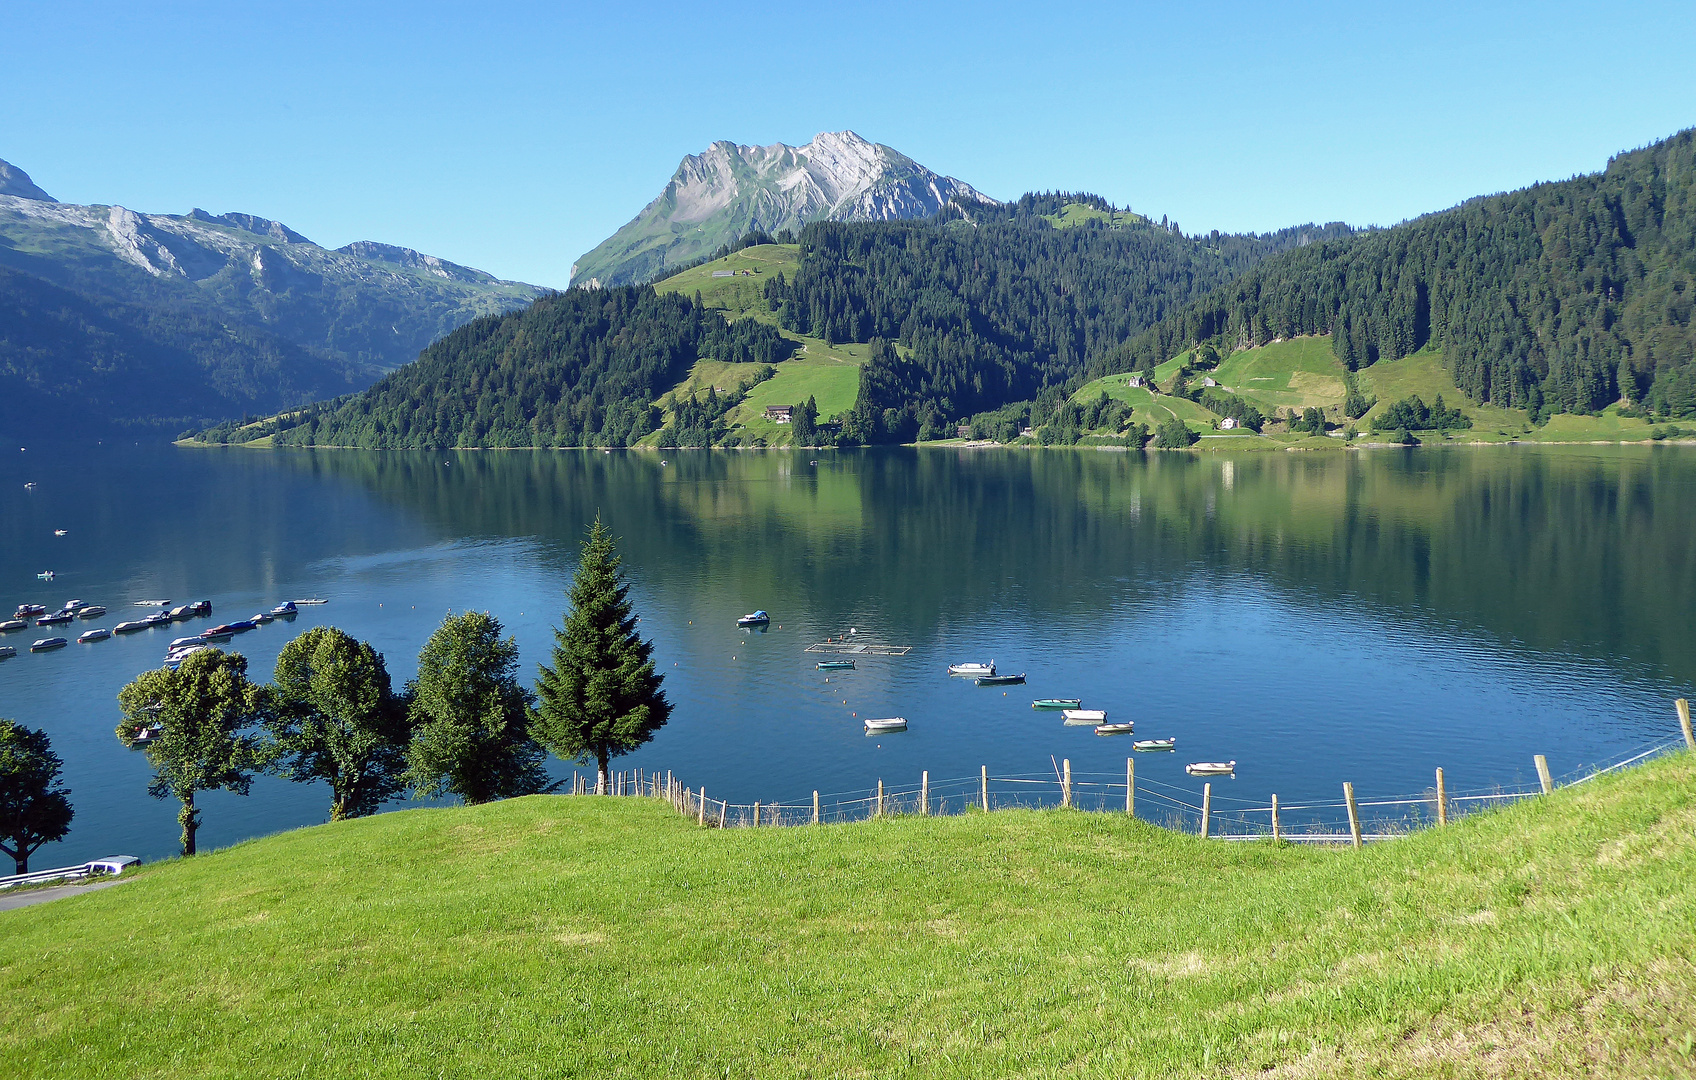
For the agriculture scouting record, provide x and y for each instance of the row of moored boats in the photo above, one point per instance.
(77, 609)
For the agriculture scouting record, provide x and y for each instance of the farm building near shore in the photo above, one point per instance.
(780, 414)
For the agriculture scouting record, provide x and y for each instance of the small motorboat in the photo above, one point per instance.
(1211, 768)
(58, 618)
(145, 735)
(836, 665)
(972, 670)
(28, 611)
(242, 626)
(203, 607)
(58, 532)
(47, 643)
(158, 619)
(314, 600)
(285, 610)
(1076, 717)
(72, 605)
(46, 575)
(262, 617)
(90, 611)
(185, 642)
(184, 611)
(97, 634)
(153, 603)
(1114, 729)
(13, 624)
(756, 618)
(175, 660)
(888, 723)
(1057, 703)
(215, 634)
(7, 652)
(1001, 680)
(222, 628)
(1155, 744)
(30, 486)
(131, 626)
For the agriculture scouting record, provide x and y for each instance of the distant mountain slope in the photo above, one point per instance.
(1561, 297)
(730, 190)
(298, 320)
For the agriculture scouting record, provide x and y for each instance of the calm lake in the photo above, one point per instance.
(1317, 617)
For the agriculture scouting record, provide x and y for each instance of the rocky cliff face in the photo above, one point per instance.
(726, 190)
(269, 316)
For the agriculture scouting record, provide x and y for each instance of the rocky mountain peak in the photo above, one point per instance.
(14, 181)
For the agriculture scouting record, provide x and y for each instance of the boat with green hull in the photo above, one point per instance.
(836, 665)
(1057, 703)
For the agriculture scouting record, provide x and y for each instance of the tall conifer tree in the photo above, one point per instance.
(601, 696)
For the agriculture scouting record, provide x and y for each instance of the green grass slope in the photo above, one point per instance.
(597, 937)
(1299, 373)
(1146, 406)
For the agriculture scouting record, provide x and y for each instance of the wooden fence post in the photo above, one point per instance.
(1131, 786)
(924, 792)
(1354, 813)
(815, 807)
(1277, 828)
(879, 799)
(756, 815)
(1206, 807)
(1683, 707)
(983, 780)
(1066, 782)
(1543, 777)
(701, 797)
(1442, 800)
(723, 812)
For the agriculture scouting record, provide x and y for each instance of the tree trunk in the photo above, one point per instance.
(601, 774)
(189, 818)
(22, 861)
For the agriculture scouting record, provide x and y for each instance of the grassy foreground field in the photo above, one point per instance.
(553, 936)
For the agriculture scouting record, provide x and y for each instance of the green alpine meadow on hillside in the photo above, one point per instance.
(585, 936)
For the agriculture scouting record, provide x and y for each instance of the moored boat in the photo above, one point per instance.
(146, 734)
(1091, 717)
(217, 635)
(7, 652)
(972, 670)
(1057, 703)
(183, 611)
(1114, 729)
(161, 618)
(1155, 744)
(260, 618)
(46, 575)
(836, 665)
(58, 618)
(185, 642)
(90, 611)
(1211, 768)
(314, 600)
(131, 626)
(27, 611)
(286, 609)
(200, 607)
(175, 660)
(99, 633)
(13, 624)
(225, 629)
(1001, 680)
(754, 618)
(153, 603)
(242, 626)
(47, 643)
(888, 723)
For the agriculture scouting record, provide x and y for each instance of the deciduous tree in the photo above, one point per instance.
(34, 808)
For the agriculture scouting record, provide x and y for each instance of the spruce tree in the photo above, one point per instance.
(601, 696)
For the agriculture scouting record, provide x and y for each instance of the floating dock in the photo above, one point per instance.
(859, 648)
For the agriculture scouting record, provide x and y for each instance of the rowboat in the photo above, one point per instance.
(1057, 703)
(890, 723)
(972, 670)
(1001, 680)
(1211, 768)
(836, 665)
(1113, 729)
(1084, 716)
(1155, 744)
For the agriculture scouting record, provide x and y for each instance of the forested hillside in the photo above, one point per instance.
(578, 368)
(993, 303)
(1563, 297)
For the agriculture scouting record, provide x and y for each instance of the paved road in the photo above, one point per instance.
(10, 900)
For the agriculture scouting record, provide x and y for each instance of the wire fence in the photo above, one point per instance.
(1350, 820)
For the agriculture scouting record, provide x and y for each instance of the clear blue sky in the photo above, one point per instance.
(515, 136)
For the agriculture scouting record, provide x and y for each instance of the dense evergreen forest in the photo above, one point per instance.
(1564, 296)
(579, 368)
(992, 303)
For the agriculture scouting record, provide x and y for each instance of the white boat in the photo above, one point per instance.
(45, 575)
(1155, 744)
(263, 617)
(99, 634)
(974, 671)
(1211, 768)
(314, 600)
(889, 723)
(90, 611)
(185, 642)
(13, 624)
(1075, 717)
(130, 626)
(7, 652)
(58, 532)
(153, 603)
(1114, 729)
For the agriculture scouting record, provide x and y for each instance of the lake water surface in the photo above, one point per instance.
(1317, 617)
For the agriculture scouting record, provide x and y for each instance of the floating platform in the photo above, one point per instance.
(858, 648)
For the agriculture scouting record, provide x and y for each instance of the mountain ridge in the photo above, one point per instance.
(729, 190)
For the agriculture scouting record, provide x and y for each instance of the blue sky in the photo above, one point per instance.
(514, 136)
